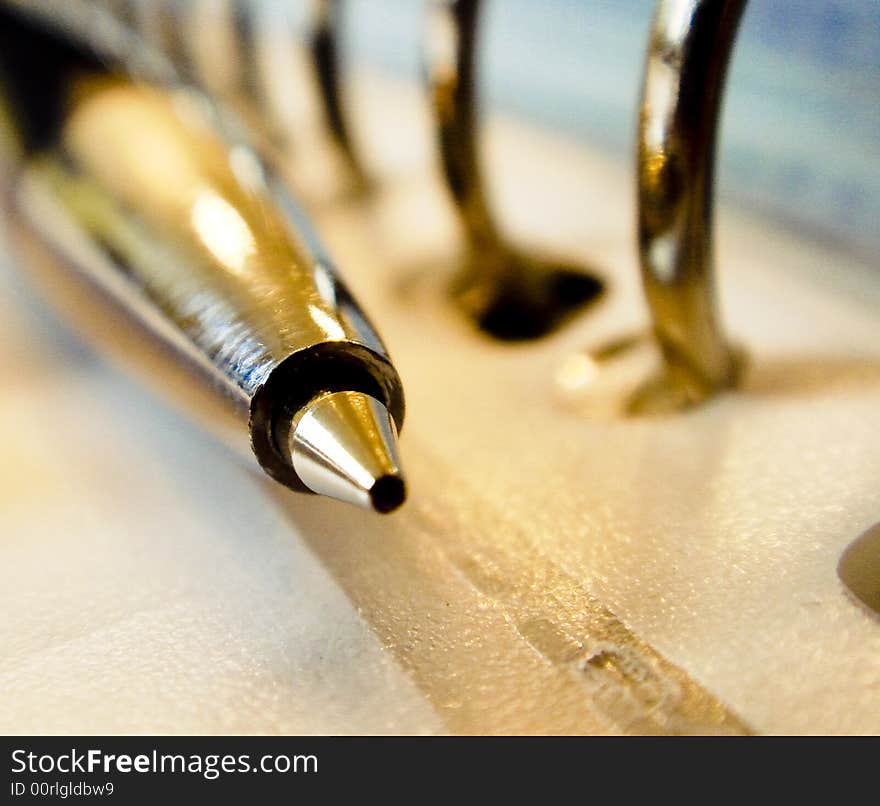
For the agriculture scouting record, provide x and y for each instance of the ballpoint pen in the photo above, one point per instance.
(171, 243)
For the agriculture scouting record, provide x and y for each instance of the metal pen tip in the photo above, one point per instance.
(344, 445)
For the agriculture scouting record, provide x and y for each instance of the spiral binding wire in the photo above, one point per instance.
(508, 293)
(169, 28)
(172, 26)
(688, 52)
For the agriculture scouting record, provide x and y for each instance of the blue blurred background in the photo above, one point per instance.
(801, 132)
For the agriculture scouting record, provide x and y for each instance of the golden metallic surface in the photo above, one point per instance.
(688, 54)
(510, 295)
(210, 266)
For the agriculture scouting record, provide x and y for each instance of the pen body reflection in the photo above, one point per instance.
(137, 202)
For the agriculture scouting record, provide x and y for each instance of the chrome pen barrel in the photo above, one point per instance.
(176, 247)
